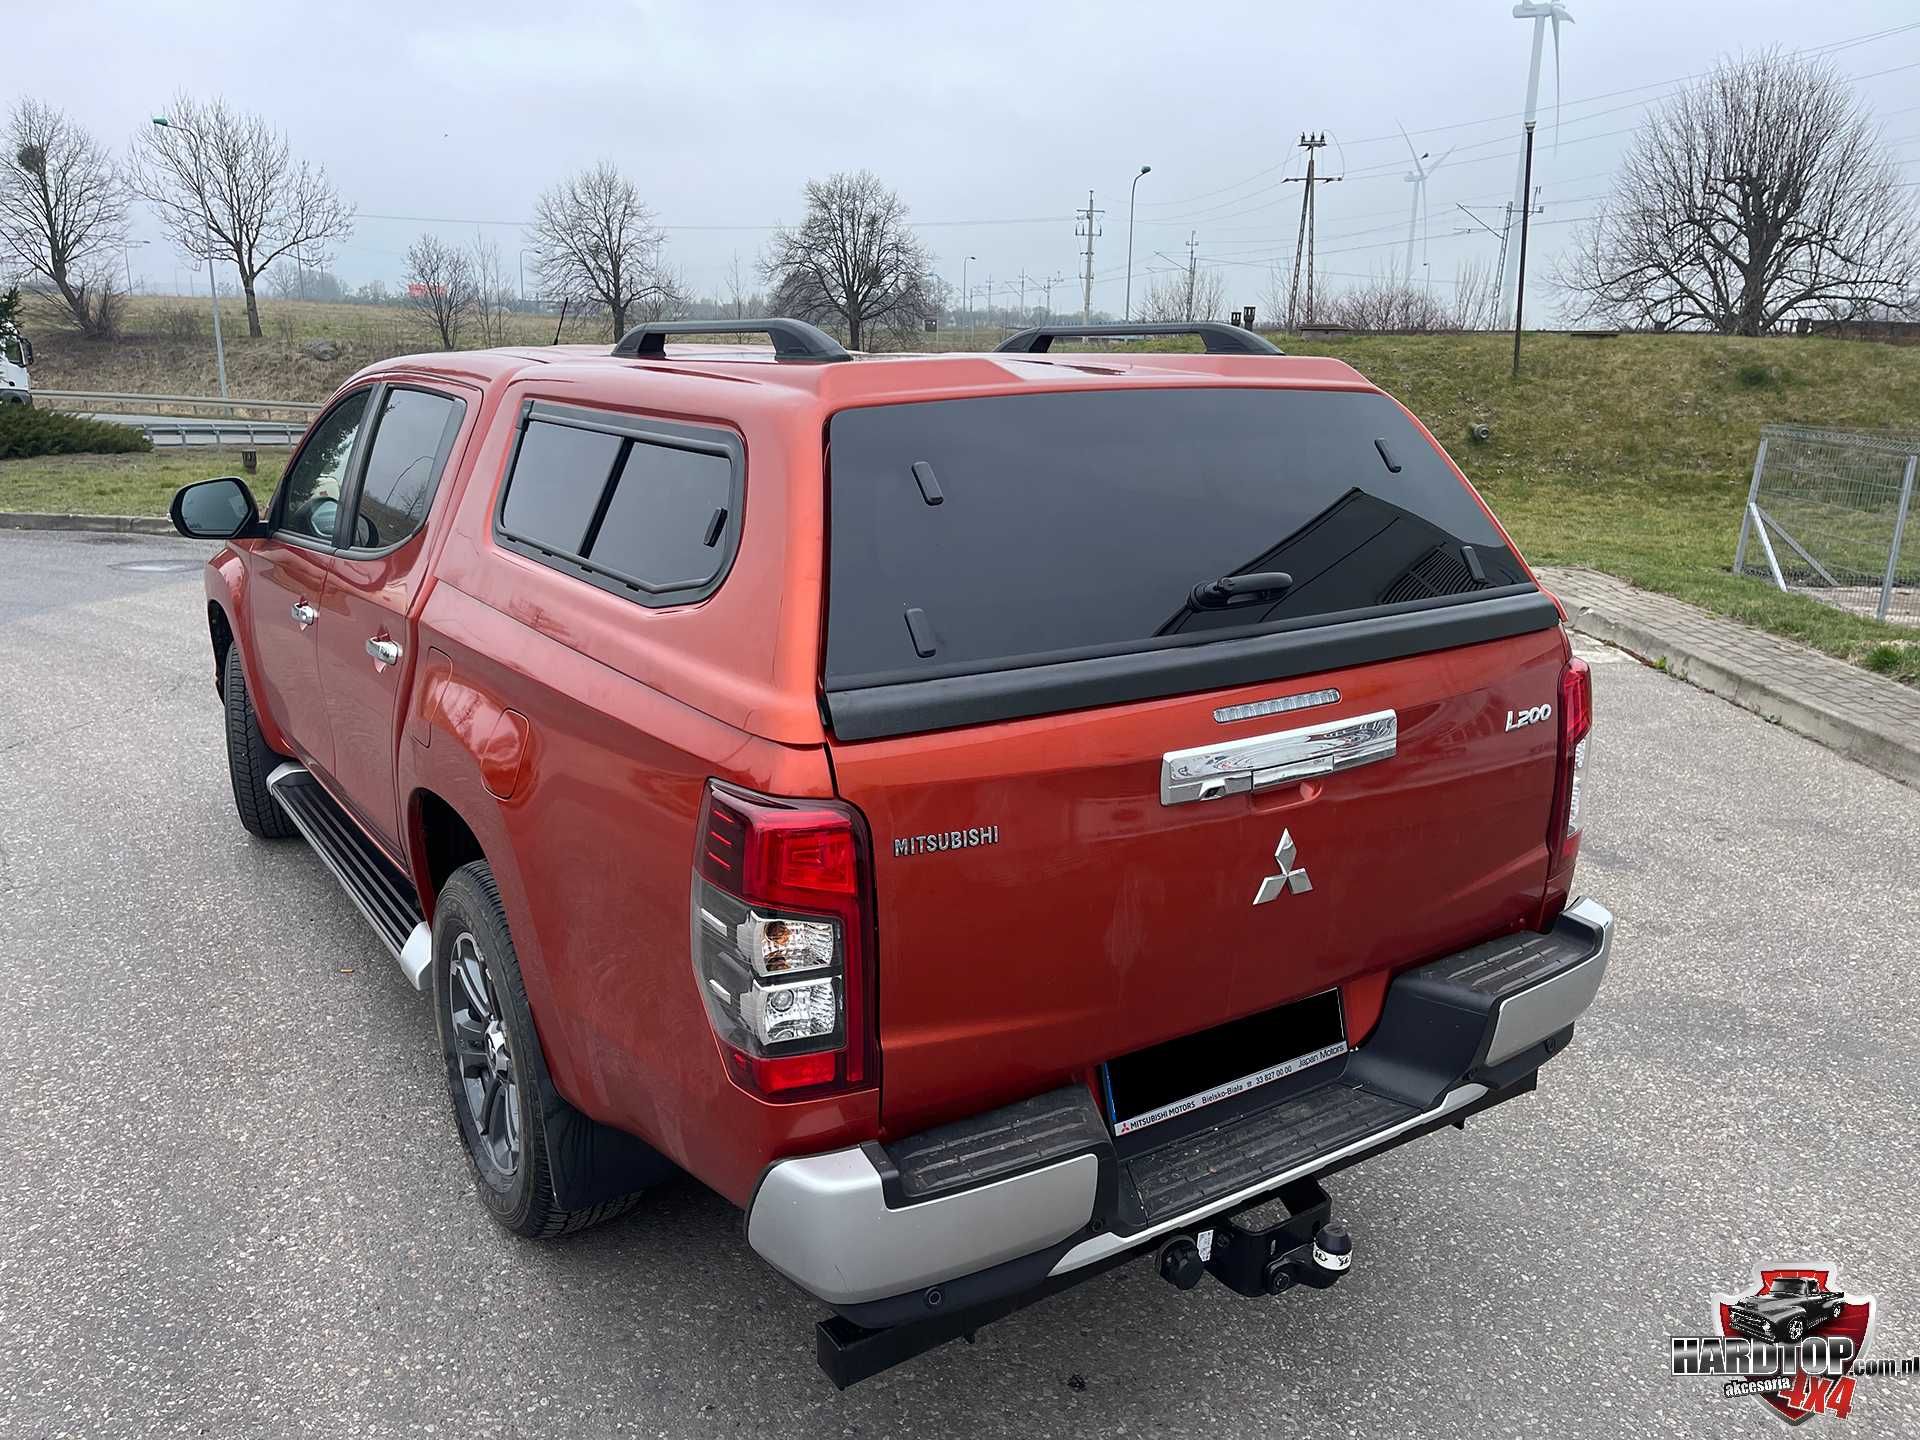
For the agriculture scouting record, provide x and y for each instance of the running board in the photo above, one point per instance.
(375, 885)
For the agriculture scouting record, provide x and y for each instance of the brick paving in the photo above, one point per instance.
(1854, 711)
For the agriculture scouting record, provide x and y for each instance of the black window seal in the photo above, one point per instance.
(634, 429)
(357, 470)
(277, 507)
(877, 711)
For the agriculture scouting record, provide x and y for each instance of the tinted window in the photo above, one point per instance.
(557, 482)
(310, 494)
(410, 444)
(666, 504)
(1082, 523)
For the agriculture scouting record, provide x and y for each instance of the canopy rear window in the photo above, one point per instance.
(977, 535)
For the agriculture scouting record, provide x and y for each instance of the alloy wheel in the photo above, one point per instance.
(483, 1049)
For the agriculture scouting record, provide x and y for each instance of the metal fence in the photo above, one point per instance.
(1828, 516)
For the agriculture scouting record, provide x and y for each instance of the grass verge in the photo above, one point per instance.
(123, 484)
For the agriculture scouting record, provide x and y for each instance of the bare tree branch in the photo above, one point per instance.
(852, 260)
(226, 187)
(1759, 196)
(598, 245)
(492, 291)
(63, 212)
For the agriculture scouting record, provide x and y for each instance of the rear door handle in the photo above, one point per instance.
(385, 652)
(304, 614)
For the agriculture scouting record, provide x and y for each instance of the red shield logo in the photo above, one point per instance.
(1791, 1303)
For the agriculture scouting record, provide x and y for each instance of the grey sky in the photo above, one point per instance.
(1000, 115)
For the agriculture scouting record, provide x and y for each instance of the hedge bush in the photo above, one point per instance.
(25, 430)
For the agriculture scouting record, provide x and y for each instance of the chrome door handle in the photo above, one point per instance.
(304, 614)
(386, 652)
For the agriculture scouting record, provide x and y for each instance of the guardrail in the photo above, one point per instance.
(244, 434)
(104, 400)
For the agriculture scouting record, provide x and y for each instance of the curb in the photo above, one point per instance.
(1770, 702)
(112, 524)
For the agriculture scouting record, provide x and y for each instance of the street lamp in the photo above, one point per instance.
(1131, 192)
(213, 286)
(966, 296)
(523, 273)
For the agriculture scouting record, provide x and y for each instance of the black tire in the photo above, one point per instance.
(508, 1154)
(250, 760)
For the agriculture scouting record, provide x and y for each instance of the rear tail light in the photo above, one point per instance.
(1563, 833)
(781, 941)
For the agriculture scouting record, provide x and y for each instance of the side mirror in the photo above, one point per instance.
(214, 509)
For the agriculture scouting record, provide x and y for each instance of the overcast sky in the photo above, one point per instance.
(992, 120)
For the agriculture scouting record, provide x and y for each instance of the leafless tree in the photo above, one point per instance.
(1185, 295)
(227, 187)
(1760, 195)
(492, 291)
(1475, 304)
(852, 260)
(440, 288)
(741, 300)
(63, 211)
(598, 244)
(670, 298)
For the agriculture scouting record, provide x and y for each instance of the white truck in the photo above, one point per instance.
(16, 354)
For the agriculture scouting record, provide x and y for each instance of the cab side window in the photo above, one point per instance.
(310, 495)
(412, 436)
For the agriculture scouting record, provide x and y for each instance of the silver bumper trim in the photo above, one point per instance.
(1533, 1014)
(1100, 1247)
(823, 1222)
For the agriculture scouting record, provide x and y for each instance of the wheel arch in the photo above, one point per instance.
(443, 842)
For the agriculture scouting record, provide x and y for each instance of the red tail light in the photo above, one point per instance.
(781, 941)
(1563, 832)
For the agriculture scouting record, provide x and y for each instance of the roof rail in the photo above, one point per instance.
(792, 339)
(1221, 339)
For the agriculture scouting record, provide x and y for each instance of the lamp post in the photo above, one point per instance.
(966, 297)
(1131, 192)
(523, 274)
(213, 286)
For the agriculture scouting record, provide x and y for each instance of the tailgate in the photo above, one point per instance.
(1041, 910)
(1035, 600)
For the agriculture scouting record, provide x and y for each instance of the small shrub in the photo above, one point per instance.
(1754, 375)
(1886, 658)
(26, 431)
(181, 322)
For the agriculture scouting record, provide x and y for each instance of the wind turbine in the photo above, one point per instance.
(1540, 12)
(1418, 179)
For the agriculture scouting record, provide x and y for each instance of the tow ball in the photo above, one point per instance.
(1266, 1248)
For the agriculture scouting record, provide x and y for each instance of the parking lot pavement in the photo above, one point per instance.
(232, 1201)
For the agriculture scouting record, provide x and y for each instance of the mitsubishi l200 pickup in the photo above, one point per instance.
(988, 816)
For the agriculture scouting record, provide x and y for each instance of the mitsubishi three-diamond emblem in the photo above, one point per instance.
(1291, 877)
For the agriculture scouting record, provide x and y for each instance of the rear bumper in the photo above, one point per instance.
(1001, 1202)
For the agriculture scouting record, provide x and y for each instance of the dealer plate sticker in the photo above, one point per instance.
(1231, 1087)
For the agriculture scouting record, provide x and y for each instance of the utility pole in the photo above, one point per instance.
(1046, 286)
(1193, 271)
(1520, 276)
(1089, 227)
(1023, 296)
(1303, 243)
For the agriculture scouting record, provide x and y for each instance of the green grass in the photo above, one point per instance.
(1630, 455)
(123, 484)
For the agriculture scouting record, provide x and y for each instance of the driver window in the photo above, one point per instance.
(310, 495)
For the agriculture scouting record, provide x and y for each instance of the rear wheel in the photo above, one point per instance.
(496, 1076)
(250, 760)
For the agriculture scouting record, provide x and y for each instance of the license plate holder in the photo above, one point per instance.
(1164, 1082)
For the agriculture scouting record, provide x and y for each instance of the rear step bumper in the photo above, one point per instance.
(1011, 1199)
(384, 895)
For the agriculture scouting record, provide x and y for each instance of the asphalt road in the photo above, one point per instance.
(232, 1203)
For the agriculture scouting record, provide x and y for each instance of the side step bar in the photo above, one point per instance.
(372, 882)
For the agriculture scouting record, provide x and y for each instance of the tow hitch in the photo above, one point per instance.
(1286, 1239)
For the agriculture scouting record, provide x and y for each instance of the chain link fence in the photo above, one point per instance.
(1830, 514)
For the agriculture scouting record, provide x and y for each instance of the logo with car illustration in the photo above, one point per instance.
(1796, 1340)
